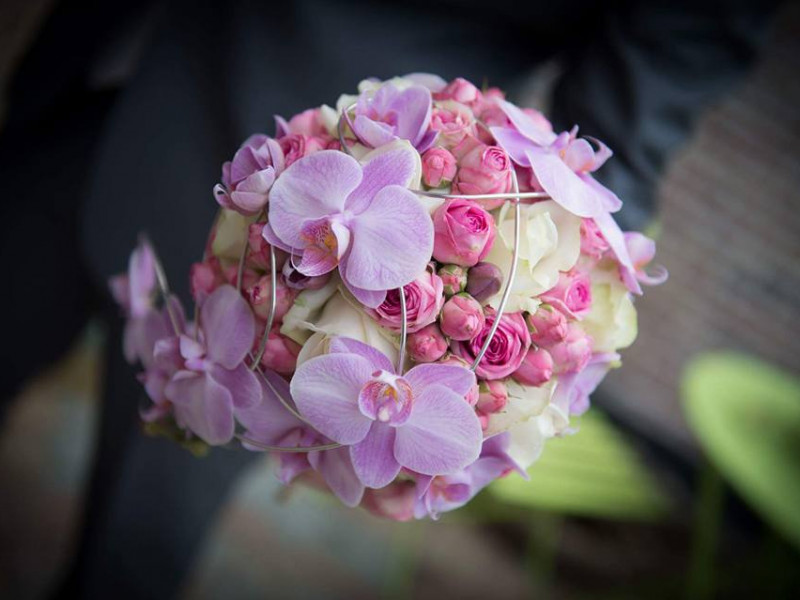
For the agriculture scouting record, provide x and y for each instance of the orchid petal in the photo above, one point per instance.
(369, 298)
(345, 345)
(229, 326)
(373, 458)
(202, 405)
(433, 82)
(616, 241)
(525, 125)
(441, 436)
(337, 470)
(563, 185)
(326, 390)
(241, 382)
(394, 166)
(313, 187)
(457, 378)
(269, 421)
(141, 279)
(372, 133)
(609, 201)
(327, 242)
(413, 109)
(395, 219)
(514, 143)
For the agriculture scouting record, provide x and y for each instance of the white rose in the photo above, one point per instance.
(550, 242)
(231, 234)
(612, 320)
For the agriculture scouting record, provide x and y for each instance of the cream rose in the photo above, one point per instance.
(612, 321)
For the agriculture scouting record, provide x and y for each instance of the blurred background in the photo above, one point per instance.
(683, 482)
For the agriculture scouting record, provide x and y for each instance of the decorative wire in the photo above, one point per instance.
(287, 449)
(401, 356)
(273, 304)
(163, 288)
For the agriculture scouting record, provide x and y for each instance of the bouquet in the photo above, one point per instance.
(402, 298)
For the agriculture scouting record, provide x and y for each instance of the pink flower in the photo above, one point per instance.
(296, 145)
(547, 325)
(260, 297)
(493, 397)
(395, 501)
(297, 281)
(642, 251)
(258, 255)
(506, 350)
(280, 353)
(572, 295)
(592, 241)
(427, 344)
(204, 278)
(438, 167)
(484, 281)
(463, 232)
(461, 91)
(453, 121)
(454, 278)
(484, 170)
(308, 123)
(536, 369)
(462, 317)
(247, 179)
(571, 354)
(424, 299)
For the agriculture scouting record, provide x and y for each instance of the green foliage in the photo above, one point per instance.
(746, 415)
(592, 473)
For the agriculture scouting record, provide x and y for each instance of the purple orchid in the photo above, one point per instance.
(562, 164)
(642, 251)
(390, 113)
(419, 420)
(214, 381)
(573, 389)
(336, 212)
(247, 179)
(270, 423)
(440, 494)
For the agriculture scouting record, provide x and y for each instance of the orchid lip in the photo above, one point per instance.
(386, 398)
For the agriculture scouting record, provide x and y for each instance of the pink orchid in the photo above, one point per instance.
(247, 179)
(562, 166)
(419, 420)
(642, 250)
(573, 389)
(362, 218)
(390, 113)
(214, 380)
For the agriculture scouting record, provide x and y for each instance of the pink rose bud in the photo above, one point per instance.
(572, 295)
(260, 297)
(592, 241)
(463, 232)
(452, 359)
(427, 344)
(204, 278)
(484, 170)
(484, 281)
(297, 281)
(536, 369)
(571, 354)
(462, 317)
(280, 353)
(493, 397)
(548, 326)
(424, 298)
(453, 121)
(296, 145)
(438, 167)
(473, 395)
(454, 279)
(460, 90)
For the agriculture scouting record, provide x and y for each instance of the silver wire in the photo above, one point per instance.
(511, 277)
(287, 449)
(273, 307)
(401, 356)
(163, 287)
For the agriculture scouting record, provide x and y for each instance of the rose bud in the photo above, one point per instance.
(438, 167)
(296, 145)
(452, 359)
(592, 241)
(297, 281)
(547, 325)
(453, 121)
(485, 170)
(427, 344)
(454, 279)
(204, 278)
(571, 354)
(280, 353)
(484, 281)
(536, 368)
(462, 317)
(423, 298)
(572, 295)
(260, 297)
(493, 397)
(461, 91)
(463, 232)
(472, 395)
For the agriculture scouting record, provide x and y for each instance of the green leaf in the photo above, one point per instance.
(746, 415)
(592, 473)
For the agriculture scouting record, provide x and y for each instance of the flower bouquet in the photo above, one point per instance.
(402, 298)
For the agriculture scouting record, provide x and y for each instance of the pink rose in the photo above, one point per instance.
(454, 279)
(204, 278)
(461, 91)
(453, 120)
(547, 325)
(462, 317)
(484, 170)
(280, 353)
(592, 241)
(572, 295)
(464, 232)
(258, 256)
(492, 398)
(571, 354)
(427, 344)
(308, 123)
(506, 350)
(260, 296)
(536, 369)
(296, 145)
(438, 167)
(424, 299)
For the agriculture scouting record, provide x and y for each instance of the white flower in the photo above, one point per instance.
(231, 234)
(612, 320)
(550, 242)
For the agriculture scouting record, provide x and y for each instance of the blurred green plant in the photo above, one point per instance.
(746, 416)
(594, 473)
